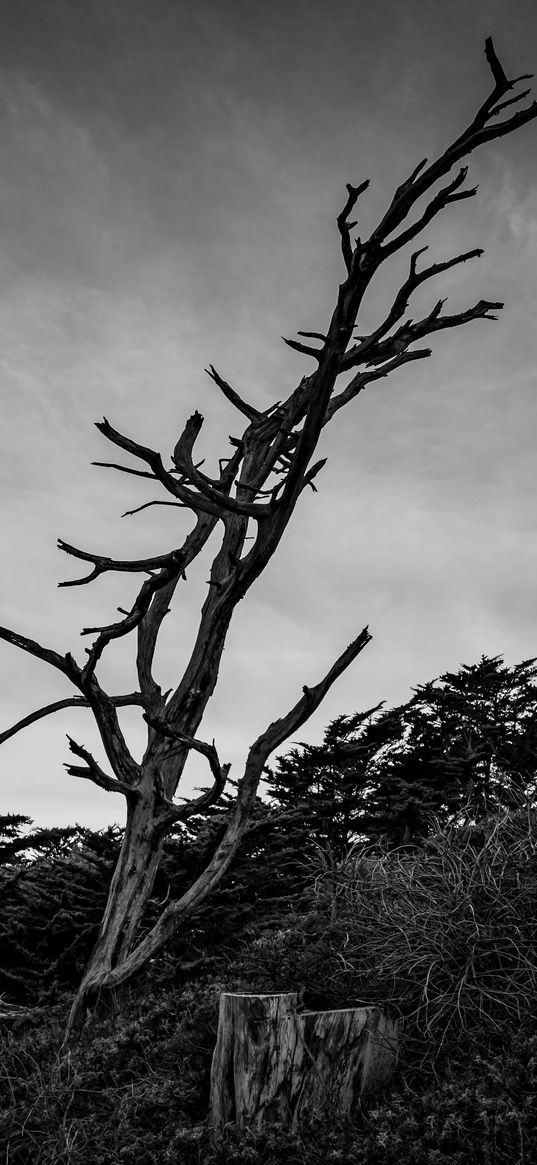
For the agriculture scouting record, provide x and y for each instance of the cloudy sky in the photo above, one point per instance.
(171, 175)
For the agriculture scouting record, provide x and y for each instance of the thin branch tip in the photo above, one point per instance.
(500, 78)
(355, 191)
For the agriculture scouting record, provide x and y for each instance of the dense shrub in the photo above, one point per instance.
(53, 890)
(444, 937)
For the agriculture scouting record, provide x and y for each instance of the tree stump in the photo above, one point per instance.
(275, 1064)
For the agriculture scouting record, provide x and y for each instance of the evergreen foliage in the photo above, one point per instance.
(462, 746)
(53, 886)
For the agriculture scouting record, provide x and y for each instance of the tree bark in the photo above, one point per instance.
(130, 891)
(274, 1064)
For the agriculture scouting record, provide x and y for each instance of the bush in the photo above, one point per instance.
(443, 937)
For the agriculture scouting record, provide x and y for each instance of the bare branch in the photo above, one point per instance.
(361, 353)
(195, 501)
(173, 813)
(303, 348)
(171, 567)
(220, 772)
(134, 616)
(281, 729)
(501, 82)
(345, 227)
(362, 379)
(511, 123)
(147, 505)
(500, 79)
(135, 698)
(512, 101)
(474, 135)
(313, 336)
(63, 663)
(147, 635)
(149, 627)
(184, 464)
(315, 469)
(93, 772)
(448, 194)
(208, 498)
(187, 742)
(101, 704)
(104, 711)
(410, 331)
(408, 183)
(182, 454)
(126, 469)
(102, 563)
(231, 395)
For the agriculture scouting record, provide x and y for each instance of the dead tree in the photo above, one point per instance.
(255, 492)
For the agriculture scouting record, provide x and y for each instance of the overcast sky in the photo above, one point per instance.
(170, 179)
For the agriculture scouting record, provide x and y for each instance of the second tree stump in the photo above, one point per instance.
(275, 1064)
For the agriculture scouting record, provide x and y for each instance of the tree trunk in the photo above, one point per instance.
(129, 893)
(274, 1064)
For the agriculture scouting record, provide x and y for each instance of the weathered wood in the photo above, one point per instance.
(275, 1064)
(351, 1053)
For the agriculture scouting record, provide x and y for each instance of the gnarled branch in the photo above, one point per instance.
(207, 499)
(103, 564)
(133, 617)
(173, 812)
(63, 663)
(147, 506)
(344, 226)
(434, 322)
(69, 702)
(447, 195)
(92, 771)
(304, 349)
(232, 396)
(126, 469)
(423, 179)
(362, 379)
(360, 353)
